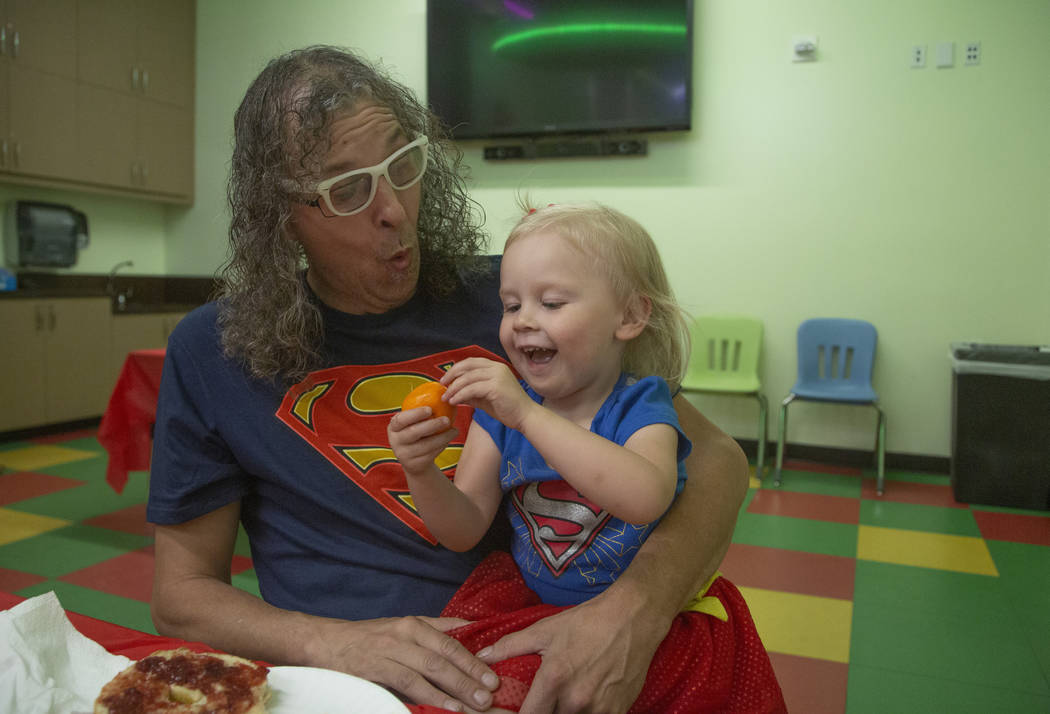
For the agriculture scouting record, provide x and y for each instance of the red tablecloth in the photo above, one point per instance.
(126, 431)
(136, 645)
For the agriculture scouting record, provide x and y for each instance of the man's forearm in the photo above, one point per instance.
(693, 537)
(227, 618)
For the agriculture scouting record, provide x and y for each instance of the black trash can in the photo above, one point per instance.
(1001, 425)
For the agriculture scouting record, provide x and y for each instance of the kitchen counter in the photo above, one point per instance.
(143, 294)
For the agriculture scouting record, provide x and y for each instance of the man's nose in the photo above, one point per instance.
(389, 209)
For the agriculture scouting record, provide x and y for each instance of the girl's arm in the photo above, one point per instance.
(459, 514)
(635, 482)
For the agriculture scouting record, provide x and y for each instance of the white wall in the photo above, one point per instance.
(852, 186)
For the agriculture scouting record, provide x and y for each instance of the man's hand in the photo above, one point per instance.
(595, 656)
(193, 600)
(409, 655)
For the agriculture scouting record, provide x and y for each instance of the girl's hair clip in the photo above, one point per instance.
(533, 210)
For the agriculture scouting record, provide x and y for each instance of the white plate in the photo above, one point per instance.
(310, 690)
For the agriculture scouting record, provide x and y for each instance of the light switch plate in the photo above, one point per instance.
(945, 54)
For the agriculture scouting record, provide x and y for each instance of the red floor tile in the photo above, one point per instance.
(922, 494)
(836, 509)
(129, 575)
(1014, 527)
(817, 467)
(239, 564)
(790, 571)
(12, 580)
(813, 686)
(126, 520)
(20, 485)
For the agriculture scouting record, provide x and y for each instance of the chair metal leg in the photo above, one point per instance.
(760, 461)
(880, 452)
(782, 438)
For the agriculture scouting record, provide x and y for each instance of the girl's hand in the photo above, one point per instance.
(417, 439)
(491, 386)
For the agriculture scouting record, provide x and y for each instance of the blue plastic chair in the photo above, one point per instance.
(724, 360)
(835, 361)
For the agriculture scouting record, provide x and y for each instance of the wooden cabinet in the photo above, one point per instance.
(143, 47)
(38, 67)
(135, 97)
(134, 144)
(139, 332)
(98, 95)
(55, 360)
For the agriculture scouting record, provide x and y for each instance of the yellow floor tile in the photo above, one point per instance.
(803, 625)
(15, 525)
(754, 481)
(963, 554)
(30, 458)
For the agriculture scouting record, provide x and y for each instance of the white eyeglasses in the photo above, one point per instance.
(353, 192)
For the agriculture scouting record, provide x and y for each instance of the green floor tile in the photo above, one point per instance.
(94, 603)
(247, 581)
(874, 690)
(748, 499)
(797, 534)
(915, 517)
(1025, 574)
(989, 650)
(1024, 570)
(87, 443)
(820, 483)
(911, 477)
(92, 469)
(83, 502)
(946, 594)
(65, 550)
(241, 546)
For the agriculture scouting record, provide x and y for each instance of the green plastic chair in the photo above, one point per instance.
(724, 360)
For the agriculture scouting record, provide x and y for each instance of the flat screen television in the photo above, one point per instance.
(534, 68)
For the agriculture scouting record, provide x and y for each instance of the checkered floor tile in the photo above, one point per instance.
(909, 602)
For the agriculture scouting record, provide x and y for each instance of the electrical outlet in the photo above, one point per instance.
(973, 53)
(918, 56)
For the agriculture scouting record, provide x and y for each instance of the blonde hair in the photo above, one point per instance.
(628, 257)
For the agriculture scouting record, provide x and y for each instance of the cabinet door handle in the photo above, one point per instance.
(3, 39)
(145, 81)
(15, 44)
(18, 155)
(39, 318)
(3, 154)
(135, 79)
(51, 319)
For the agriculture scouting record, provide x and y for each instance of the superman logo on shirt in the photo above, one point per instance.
(343, 413)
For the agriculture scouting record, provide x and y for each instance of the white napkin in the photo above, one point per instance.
(46, 665)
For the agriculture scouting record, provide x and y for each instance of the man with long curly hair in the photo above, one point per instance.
(356, 272)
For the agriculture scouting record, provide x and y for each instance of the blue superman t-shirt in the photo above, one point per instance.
(567, 548)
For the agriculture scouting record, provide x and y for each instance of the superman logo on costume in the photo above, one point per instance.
(343, 413)
(562, 523)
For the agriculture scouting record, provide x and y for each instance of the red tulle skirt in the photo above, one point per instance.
(704, 664)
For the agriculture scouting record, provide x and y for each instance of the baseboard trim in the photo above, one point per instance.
(849, 457)
(49, 430)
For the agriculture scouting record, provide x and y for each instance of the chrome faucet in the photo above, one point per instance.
(123, 295)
